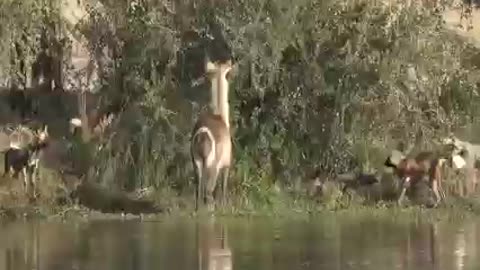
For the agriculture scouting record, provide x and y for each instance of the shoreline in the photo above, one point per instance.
(450, 211)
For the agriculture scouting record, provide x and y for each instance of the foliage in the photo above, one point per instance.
(322, 83)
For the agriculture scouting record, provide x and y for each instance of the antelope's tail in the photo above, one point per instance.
(203, 146)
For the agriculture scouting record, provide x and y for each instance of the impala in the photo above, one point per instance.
(211, 146)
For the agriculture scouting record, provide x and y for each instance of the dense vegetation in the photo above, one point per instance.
(318, 83)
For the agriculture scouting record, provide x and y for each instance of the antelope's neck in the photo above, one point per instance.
(214, 108)
(222, 92)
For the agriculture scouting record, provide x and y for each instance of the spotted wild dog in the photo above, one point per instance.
(412, 170)
(354, 181)
(25, 158)
(464, 156)
(211, 145)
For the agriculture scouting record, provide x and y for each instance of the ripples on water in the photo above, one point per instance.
(239, 244)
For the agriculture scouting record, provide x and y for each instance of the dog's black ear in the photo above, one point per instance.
(388, 163)
(463, 153)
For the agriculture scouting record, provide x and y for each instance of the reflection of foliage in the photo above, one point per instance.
(324, 83)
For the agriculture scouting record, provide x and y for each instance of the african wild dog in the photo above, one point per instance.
(464, 156)
(413, 170)
(26, 158)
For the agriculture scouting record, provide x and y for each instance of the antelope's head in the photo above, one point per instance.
(218, 68)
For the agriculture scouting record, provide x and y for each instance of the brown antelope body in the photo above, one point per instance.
(413, 170)
(211, 147)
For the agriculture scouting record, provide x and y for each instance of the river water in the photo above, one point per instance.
(240, 243)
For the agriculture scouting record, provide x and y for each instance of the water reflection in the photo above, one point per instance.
(214, 253)
(239, 244)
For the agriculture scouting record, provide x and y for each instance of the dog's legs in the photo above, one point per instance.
(470, 181)
(33, 172)
(345, 188)
(435, 191)
(35, 177)
(405, 185)
(475, 179)
(25, 179)
(435, 183)
(7, 162)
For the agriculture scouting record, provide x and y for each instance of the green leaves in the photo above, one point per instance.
(314, 78)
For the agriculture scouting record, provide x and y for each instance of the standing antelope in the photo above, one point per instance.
(211, 145)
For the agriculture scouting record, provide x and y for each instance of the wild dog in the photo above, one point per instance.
(25, 158)
(97, 127)
(464, 155)
(211, 146)
(354, 181)
(346, 181)
(412, 170)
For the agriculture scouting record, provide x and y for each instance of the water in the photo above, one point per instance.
(239, 244)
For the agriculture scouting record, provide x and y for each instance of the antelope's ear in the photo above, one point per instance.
(210, 66)
(232, 70)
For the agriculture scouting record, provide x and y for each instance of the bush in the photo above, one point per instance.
(322, 83)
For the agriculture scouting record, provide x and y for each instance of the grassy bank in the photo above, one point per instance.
(327, 84)
(453, 211)
(122, 206)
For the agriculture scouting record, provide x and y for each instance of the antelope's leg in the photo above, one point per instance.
(405, 185)
(212, 175)
(198, 183)
(225, 175)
